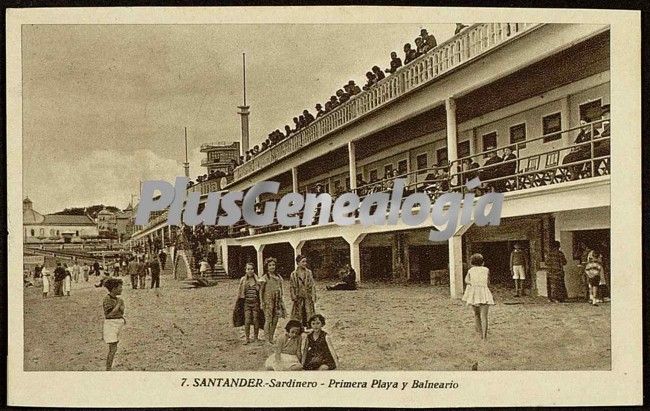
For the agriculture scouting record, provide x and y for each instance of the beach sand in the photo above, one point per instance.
(378, 327)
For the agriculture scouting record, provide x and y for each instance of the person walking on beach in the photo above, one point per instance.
(76, 271)
(478, 294)
(271, 296)
(142, 273)
(45, 277)
(154, 267)
(86, 271)
(67, 281)
(59, 276)
(113, 317)
(303, 292)
(132, 269)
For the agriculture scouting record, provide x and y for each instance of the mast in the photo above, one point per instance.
(244, 113)
(186, 164)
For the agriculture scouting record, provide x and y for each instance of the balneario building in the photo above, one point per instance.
(540, 90)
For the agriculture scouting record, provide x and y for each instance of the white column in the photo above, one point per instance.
(297, 249)
(456, 266)
(294, 179)
(224, 256)
(355, 252)
(260, 258)
(452, 132)
(352, 160)
(565, 113)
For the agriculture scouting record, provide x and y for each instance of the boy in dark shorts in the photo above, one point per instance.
(113, 317)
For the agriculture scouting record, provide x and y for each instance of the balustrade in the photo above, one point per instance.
(467, 45)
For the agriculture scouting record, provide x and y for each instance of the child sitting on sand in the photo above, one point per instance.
(113, 317)
(287, 355)
(318, 353)
(477, 294)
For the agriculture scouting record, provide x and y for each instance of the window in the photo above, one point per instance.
(489, 141)
(421, 161)
(388, 170)
(77, 233)
(552, 124)
(591, 111)
(33, 232)
(52, 232)
(347, 183)
(359, 177)
(517, 134)
(441, 155)
(41, 232)
(373, 175)
(337, 186)
(463, 149)
(402, 167)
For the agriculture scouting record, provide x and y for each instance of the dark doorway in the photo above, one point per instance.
(496, 255)
(376, 263)
(283, 252)
(425, 258)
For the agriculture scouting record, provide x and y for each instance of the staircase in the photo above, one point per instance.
(190, 278)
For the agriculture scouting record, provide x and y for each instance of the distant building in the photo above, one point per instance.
(221, 156)
(106, 221)
(38, 228)
(124, 222)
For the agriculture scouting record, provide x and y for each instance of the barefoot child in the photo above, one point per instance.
(318, 353)
(249, 297)
(287, 355)
(477, 294)
(113, 317)
(594, 271)
(271, 296)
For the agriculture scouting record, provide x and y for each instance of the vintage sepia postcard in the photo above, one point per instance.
(316, 206)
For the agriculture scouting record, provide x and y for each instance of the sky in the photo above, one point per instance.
(105, 106)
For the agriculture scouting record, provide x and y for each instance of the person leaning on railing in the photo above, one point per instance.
(491, 170)
(342, 96)
(395, 63)
(379, 75)
(371, 80)
(428, 40)
(409, 53)
(578, 153)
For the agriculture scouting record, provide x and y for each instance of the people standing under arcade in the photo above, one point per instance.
(555, 262)
(303, 292)
(518, 269)
(271, 297)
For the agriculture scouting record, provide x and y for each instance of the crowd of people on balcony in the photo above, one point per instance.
(211, 176)
(423, 44)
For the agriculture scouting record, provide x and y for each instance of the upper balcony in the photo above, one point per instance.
(205, 147)
(451, 54)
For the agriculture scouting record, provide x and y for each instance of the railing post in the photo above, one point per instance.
(591, 144)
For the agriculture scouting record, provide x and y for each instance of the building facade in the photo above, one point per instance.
(38, 228)
(540, 90)
(220, 156)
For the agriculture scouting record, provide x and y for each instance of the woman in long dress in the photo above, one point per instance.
(67, 281)
(303, 292)
(45, 276)
(271, 296)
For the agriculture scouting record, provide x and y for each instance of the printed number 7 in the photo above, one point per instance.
(183, 382)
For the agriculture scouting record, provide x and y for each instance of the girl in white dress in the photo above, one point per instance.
(45, 276)
(477, 294)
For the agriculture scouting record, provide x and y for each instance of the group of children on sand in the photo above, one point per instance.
(260, 305)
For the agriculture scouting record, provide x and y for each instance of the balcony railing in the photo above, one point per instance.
(467, 45)
(206, 146)
(590, 158)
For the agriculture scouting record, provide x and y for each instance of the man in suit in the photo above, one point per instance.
(491, 170)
